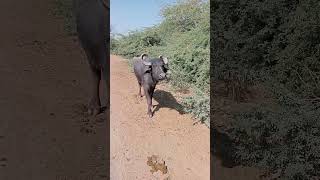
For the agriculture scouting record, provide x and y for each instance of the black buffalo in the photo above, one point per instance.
(92, 21)
(149, 72)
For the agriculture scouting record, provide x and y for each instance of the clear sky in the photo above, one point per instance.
(129, 15)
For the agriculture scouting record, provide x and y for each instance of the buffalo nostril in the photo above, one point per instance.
(162, 75)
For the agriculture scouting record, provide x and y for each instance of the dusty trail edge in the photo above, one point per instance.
(170, 134)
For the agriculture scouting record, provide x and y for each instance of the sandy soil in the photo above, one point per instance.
(44, 85)
(170, 134)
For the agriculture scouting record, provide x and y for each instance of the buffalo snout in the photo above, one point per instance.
(162, 76)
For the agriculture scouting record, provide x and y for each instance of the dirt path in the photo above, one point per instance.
(169, 135)
(44, 85)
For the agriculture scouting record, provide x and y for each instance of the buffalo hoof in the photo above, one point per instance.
(93, 111)
(150, 115)
(104, 108)
(94, 107)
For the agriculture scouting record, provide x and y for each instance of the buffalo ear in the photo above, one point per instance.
(160, 57)
(144, 56)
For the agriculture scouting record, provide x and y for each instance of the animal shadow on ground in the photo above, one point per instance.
(223, 148)
(166, 100)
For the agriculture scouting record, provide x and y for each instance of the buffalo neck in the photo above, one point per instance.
(154, 79)
(151, 80)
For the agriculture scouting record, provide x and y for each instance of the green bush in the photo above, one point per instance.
(199, 105)
(282, 139)
(64, 9)
(275, 45)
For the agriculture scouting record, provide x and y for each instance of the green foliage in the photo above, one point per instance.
(64, 9)
(185, 16)
(273, 44)
(135, 43)
(183, 37)
(280, 139)
(199, 105)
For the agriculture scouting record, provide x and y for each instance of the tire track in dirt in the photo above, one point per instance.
(170, 135)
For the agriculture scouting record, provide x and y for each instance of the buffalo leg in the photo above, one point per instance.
(105, 69)
(106, 79)
(151, 96)
(95, 104)
(140, 90)
(149, 102)
(149, 99)
(105, 54)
